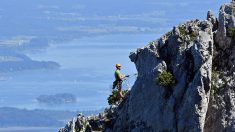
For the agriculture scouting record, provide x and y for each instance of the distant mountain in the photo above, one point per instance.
(57, 99)
(14, 117)
(11, 61)
(22, 117)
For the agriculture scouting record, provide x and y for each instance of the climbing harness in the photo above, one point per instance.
(126, 83)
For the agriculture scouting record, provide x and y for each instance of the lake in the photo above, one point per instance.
(87, 71)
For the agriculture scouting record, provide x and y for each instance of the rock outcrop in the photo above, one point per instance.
(221, 110)
(187, 53)
(201, 57)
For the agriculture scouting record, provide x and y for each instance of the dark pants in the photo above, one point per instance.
(118, 84)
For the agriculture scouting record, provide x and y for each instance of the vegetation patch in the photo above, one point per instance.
(214, 78)
(113, 99)
(184, 32)
(166, 79)
(152, 42)
(231, 32)
(193, 35)
(168, 34)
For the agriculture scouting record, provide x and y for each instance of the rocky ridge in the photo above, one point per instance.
(201, 57)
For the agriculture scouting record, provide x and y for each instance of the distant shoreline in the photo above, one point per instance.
(5, 129)
(23, 120)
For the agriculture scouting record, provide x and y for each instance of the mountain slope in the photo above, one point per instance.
(200, 55)
(181, 107)
(221, 111)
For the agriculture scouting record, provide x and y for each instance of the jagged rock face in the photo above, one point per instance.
(101, 122)
(187, 53)
(78, 124)
(224, 43)
(211, 17)
(203, 97)
(221, 110)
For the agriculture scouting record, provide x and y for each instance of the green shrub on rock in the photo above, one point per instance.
(113, 99)
(152, 42)
(168, 34)
(214, 78)
(166, 79)
(231, 32)
(186, 35)
(193, 35)
(183, 30)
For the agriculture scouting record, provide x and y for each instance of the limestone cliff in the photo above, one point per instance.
(187, 53)
(201, 57)
(221, 110)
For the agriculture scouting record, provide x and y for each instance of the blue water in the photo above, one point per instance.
(87, 38)
(87, 67)
(33, 130)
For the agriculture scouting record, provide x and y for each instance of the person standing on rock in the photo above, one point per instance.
(118, 80)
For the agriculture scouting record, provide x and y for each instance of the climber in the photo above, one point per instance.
(118, 80)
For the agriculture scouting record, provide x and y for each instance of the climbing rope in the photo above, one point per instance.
(126, 82)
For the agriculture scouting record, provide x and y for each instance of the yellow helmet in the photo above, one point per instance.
(118, 65)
